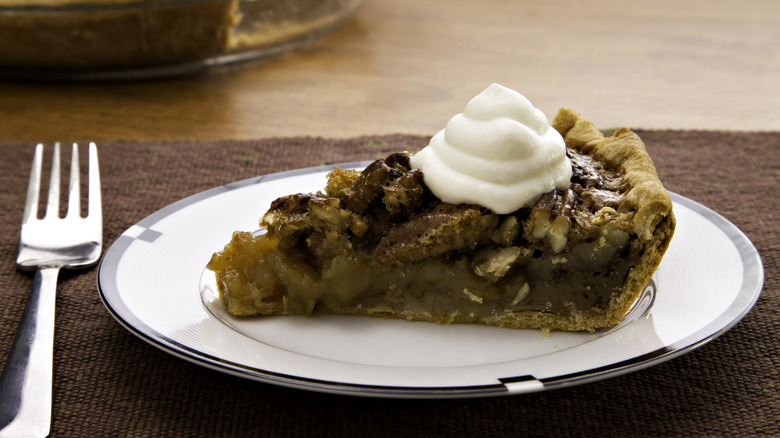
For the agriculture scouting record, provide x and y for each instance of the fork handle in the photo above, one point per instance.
(26, 381)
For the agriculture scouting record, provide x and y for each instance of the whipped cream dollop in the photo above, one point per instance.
(500, 153)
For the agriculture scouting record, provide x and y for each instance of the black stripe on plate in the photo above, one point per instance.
(517, 379)
(608, 369)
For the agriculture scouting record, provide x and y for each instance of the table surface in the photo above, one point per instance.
(407, 66)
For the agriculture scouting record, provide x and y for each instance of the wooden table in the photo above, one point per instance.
(407, 66)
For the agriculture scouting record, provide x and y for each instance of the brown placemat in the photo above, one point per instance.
(110, 383)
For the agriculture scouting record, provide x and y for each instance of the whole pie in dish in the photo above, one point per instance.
(379, 242)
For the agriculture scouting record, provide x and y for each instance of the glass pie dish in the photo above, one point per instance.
(87, 39)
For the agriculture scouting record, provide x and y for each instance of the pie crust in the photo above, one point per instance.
(379, 243)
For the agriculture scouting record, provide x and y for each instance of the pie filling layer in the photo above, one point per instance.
(379, 243)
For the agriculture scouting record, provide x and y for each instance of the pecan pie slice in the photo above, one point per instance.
(379, 243)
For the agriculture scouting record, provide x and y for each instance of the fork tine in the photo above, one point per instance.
(74, 201)
(34, 186)
(94, 211)
(53, 204)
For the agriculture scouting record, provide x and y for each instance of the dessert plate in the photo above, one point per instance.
(154, 282)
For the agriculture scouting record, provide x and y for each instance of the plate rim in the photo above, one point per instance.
(745, 299)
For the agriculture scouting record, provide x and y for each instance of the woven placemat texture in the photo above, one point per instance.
(110, 383)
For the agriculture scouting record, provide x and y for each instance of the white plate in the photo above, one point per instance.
(153, 281)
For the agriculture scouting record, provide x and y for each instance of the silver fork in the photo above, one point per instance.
(48, 245)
